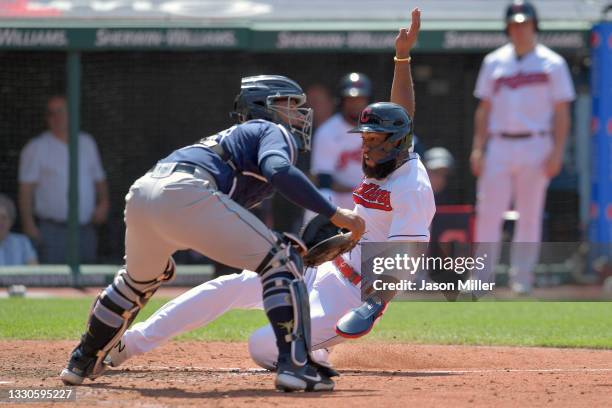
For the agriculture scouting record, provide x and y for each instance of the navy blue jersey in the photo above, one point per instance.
(247, 145)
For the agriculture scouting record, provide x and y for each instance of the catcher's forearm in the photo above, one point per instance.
(327, 181)
(295, 186)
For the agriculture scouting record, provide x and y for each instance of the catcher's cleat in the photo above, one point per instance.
(359, 321)
(291, 377)
(117, 355)
(80, 366)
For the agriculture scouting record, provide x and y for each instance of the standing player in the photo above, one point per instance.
(336, 154)
(395, 199)
(196, 198)
(523, 119)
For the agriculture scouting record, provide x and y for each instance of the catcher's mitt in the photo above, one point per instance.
(324, 241)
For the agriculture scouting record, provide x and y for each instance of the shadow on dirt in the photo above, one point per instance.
(173, 392)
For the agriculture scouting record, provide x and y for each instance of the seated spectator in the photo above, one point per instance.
(15, 249)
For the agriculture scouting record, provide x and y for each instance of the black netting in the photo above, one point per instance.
(26, 80)
(140, 106)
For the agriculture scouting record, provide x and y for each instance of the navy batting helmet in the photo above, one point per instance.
(259, 98)
(390, 118)
(520, 11)
(355, 84)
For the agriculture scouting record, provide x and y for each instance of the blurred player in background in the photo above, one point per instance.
(43, 188)
(439, 163)
(522, 121)
(336, 154)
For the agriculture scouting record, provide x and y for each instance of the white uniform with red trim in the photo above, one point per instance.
(338, 153)
(522, 92)
(398, 208)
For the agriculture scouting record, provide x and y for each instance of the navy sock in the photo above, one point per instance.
(279, 308)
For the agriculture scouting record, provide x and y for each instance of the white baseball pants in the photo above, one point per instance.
(514, 173)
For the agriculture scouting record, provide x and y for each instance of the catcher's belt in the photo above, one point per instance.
(347, 270)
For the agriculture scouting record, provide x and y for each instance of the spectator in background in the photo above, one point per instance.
(43, 188)
(322, 103)
(439, 163)
(15, 249)
(336, 154)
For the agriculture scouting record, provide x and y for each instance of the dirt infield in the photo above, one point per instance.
(221, 374)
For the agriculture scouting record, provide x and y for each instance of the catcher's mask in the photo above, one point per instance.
(278, 99)
(392, 119)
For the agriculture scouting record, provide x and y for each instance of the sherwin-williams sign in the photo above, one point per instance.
(435, 41)
(16, 38)
(254, 40)
(123, 38)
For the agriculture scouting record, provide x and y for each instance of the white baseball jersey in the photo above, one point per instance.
(397, 208)
(338, 153)
(522, 91)
(44, 161)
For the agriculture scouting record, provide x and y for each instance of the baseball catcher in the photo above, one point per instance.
(198, 198)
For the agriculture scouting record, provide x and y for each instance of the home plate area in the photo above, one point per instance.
(222, 374)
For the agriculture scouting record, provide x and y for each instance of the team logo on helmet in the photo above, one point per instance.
(365, 115)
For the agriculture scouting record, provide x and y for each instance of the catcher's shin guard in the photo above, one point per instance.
(111, 314)
(278, 270)
(286, 304)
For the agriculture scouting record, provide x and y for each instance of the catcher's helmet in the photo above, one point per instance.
(520, 11)
(391, 118)
(256, 100)
(355, 84)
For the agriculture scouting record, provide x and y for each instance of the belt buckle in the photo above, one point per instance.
(163, 170)
(209, 142)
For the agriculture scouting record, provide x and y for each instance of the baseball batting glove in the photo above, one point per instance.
(324, 241)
